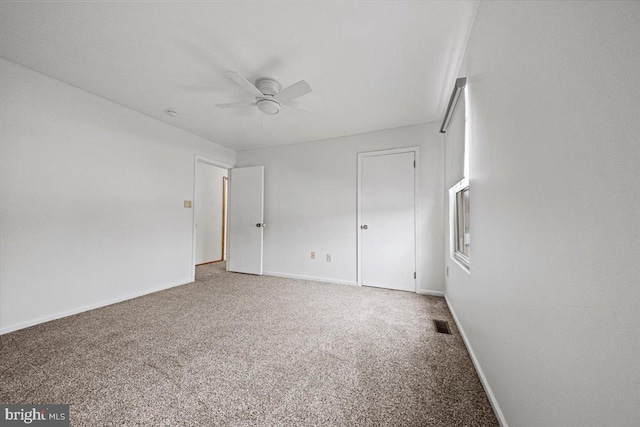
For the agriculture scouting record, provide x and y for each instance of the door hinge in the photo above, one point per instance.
(414, 163)
(414, 274)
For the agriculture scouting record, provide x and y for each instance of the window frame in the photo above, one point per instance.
(459, 257)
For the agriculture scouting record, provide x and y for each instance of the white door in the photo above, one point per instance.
(387, 255)
(245, 215)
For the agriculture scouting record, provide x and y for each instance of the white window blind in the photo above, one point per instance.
(454, 146)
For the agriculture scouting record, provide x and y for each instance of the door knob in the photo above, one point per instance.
(261, 225)
(364, 227)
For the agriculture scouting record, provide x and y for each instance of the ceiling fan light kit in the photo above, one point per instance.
(269, 106)
(268, 93)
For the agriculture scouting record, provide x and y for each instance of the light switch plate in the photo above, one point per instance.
(187, 203)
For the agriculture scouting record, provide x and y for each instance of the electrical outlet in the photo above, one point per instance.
(187, 204)
(328, 257)
(313, 255)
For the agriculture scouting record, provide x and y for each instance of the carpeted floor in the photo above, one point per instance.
(241, 350)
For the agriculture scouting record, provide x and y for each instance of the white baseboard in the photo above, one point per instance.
(313, 278)
(59, 315)
(476, 363)
(428, 292)
(341, 282)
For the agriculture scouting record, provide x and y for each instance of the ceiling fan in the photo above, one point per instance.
(270, 97)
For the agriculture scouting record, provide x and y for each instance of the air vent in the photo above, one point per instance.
(442, 327)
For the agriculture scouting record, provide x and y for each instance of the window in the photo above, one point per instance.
(457, 155)
(460, 243)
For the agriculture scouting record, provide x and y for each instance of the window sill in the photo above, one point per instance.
(463, 263)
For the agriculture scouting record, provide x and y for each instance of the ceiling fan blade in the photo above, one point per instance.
(293, 91)
(236, 77)
(236, 104)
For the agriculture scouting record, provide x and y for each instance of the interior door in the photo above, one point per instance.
(387, 221)
(246, 222)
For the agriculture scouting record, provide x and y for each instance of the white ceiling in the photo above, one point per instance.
(371, 65)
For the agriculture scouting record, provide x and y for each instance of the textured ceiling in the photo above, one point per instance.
(371, 65)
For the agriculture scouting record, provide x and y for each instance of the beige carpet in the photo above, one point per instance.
(243, 350)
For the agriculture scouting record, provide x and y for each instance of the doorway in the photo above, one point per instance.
(387, 213)
(210, 213)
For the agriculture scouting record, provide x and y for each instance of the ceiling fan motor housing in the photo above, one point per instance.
(268, 86)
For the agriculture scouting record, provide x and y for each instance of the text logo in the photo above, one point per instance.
(34, 415)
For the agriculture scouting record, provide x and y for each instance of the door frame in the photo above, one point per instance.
(416, 207)
(225, 195)
(208, 161)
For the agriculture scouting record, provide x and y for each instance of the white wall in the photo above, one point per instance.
(208, 206)
(91, 199)
(551, 305)
(310, 204)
